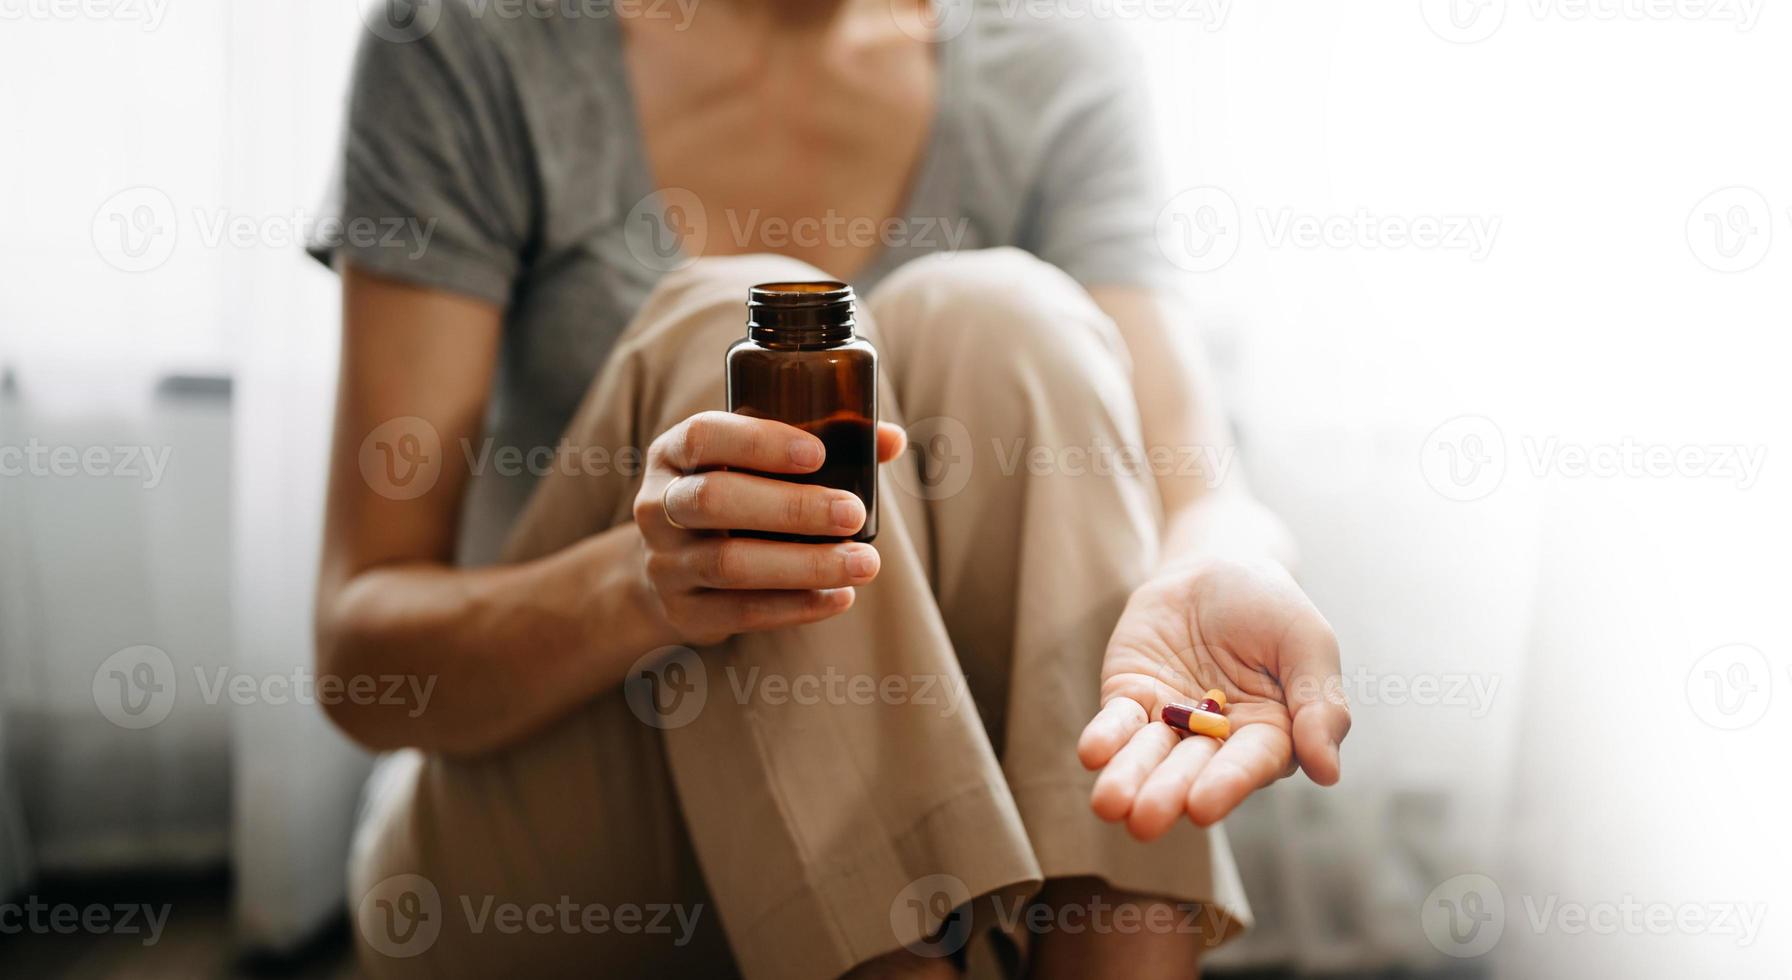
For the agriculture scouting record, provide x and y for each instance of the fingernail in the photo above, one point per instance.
(848, 513)
(862, 563)
(805, 452)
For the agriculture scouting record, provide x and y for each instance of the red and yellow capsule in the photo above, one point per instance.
(1196, 721)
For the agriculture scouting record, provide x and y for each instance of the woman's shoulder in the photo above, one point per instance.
(480, 41)
(1039, 44)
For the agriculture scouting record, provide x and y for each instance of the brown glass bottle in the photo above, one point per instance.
(803, 363)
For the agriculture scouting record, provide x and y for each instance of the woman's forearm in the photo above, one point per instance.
(1226, 523)
(478, 658)
(1211, 513)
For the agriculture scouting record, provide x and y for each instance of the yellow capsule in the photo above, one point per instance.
(1217, 695)
(1208, 723)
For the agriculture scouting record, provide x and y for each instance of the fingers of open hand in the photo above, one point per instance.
(1255, 756)
(1120, 782)
(1313, 685)
(1164, 798)
(1110, 729)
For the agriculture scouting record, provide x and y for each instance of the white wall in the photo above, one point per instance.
(1600, 316)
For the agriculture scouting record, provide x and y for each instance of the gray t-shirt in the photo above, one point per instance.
(498, 156)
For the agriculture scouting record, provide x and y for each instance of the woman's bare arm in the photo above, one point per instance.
(501, 650)
(504, 650)
(1212, 514)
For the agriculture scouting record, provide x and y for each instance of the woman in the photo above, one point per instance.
(1026, 610)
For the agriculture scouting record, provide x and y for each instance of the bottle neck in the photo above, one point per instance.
(802, 338)
(801, 315)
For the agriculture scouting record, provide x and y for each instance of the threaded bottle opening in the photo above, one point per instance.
(803, 313)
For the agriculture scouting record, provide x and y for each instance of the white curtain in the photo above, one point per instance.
(294, 809)
(15, 845)
(237, 131)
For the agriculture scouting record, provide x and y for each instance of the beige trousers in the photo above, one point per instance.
(794, 803)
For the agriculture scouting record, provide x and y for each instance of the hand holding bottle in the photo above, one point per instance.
(706, 585)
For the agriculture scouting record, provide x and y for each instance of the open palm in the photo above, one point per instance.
(1247, 629)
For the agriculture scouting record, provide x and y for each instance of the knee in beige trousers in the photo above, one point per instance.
(795, 803)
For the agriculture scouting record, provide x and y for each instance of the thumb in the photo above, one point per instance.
(891, 441)
(1313, 684)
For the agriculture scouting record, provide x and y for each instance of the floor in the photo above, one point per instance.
(195, 941)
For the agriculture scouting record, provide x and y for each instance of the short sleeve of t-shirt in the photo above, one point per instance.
(1092, 207)
(432, 184)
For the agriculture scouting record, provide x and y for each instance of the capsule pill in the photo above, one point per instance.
(1196, 721)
